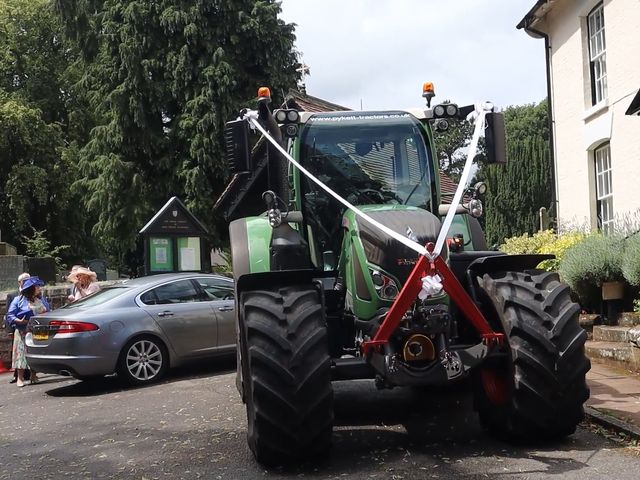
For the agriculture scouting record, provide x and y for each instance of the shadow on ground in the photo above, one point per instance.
(111, 383)
(436, 430)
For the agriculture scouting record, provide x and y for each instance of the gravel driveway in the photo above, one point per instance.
(193, 426)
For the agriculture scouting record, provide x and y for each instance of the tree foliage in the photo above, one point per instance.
(451, 146)
(163, 78)
(518, 190)
(41, 121)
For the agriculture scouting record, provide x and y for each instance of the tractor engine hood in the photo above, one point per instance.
(387, 253)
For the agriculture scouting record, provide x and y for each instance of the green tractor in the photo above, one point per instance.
(323, 294)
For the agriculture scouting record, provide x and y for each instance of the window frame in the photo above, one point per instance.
(603, 188)
(597, 54)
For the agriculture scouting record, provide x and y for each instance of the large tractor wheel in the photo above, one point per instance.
(538, 392)
(288, 389)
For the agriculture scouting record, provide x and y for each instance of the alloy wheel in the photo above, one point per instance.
(144, 360)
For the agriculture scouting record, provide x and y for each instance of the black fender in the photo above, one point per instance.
(498, 262)
(503, 263)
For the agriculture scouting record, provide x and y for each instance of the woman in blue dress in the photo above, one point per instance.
(20, 312)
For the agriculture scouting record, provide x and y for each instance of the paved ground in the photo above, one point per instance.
(615, 392)
(192, 426)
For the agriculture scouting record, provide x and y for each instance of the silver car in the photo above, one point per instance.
(138, 328)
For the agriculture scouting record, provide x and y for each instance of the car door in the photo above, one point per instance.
(188, 323)
(220, 296)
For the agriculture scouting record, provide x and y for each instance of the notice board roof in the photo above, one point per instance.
(174, 218)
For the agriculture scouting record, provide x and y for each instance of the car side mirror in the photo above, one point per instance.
(495, 138)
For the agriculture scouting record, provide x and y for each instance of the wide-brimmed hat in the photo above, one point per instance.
(73, 276)
(30, 282)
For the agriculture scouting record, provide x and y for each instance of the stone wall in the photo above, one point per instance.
(10, 267)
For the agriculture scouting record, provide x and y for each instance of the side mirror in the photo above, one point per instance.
(329, 260)
(236, 139)
(495, 138)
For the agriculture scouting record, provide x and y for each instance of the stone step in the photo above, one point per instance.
(616, 354)
(604, 333)
(629, 319)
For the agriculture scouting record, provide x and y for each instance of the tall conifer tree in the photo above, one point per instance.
(164, 77)
(518, 190)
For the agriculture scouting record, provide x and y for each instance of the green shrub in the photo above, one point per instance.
(631, 260)
(40, 246)
(527, 243)
(545, 242)
(589, 263)
(559, 247)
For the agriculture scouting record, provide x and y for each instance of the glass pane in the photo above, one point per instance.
(609, 204)
(599, 187)
(181, 291)
(98, 298)
(216, 289)
(367, 159)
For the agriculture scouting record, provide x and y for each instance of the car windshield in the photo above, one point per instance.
(98, 298)
(372, 158)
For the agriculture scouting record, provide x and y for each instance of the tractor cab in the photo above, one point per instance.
(373, 158)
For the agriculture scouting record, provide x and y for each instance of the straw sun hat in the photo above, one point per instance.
(73, 276)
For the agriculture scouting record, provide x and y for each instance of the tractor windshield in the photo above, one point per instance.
(369, 158)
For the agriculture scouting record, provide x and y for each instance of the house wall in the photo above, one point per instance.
(580, 127)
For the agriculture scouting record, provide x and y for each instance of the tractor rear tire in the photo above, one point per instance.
(289, 396)
(538, 392)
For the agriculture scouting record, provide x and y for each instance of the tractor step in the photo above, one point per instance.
(351, 368)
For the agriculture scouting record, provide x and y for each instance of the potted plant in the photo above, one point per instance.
(594, 267)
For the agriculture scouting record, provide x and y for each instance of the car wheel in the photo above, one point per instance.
(143, 360)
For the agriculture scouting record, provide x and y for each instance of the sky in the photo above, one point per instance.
(378, 53)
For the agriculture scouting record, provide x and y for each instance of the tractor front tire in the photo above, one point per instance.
(537, 393)
(288, 392)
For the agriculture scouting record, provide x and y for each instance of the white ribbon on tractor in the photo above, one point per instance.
(429, 286)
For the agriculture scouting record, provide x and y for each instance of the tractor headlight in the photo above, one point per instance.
(378, 279)
(386, 286)
(286, 116)
(280, 116)
(390, 291)
(445, 110)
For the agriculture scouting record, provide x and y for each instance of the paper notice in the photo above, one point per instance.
(188, 259)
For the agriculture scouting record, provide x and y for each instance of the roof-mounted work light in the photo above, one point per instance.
(285, 116)
(444, 110)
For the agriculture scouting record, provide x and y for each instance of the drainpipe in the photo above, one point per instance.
(555, 207)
